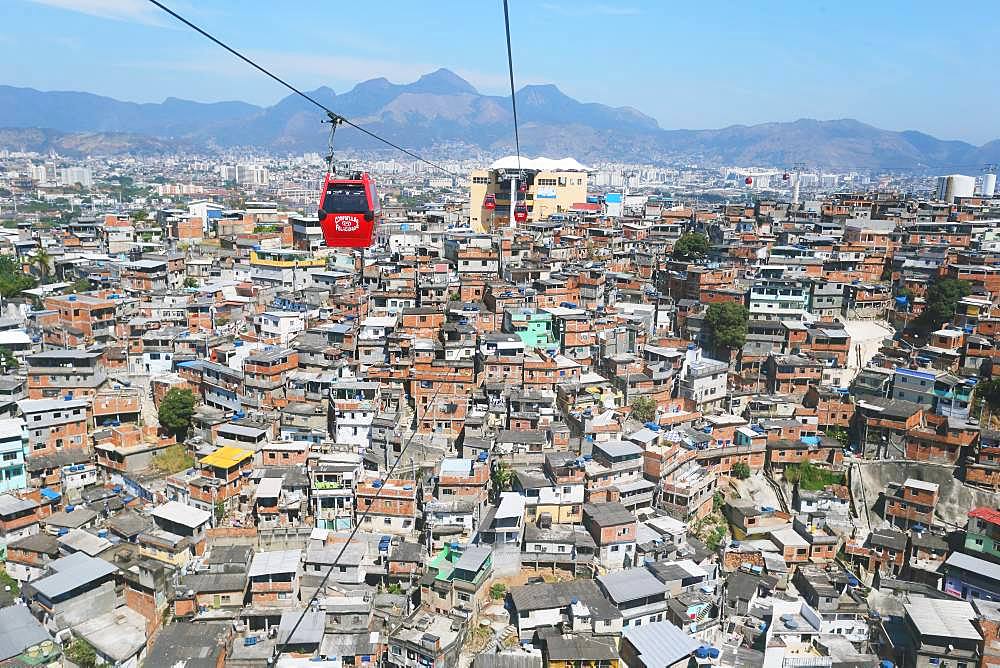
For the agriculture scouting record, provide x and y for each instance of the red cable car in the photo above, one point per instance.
(748, 181)
(490, 202)
(349, 210)
(520, 212)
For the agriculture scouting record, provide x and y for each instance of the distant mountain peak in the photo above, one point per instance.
(442, 81)
(542, 93)
(376, 83)
(441, 110)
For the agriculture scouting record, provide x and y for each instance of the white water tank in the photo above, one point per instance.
(955, 185)
(989, 185)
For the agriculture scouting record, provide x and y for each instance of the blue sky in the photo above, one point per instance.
(897, 65)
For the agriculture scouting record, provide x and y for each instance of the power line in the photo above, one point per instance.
(510, 70)
(281, 644)
(332, 114)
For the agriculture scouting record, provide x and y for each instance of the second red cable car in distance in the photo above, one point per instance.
(490, 202)
(349, 210)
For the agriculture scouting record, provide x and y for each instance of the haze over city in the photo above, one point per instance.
(499, 334)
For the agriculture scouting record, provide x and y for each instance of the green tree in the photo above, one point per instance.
(644, 409)
(176, 410)
(8, 363)
(690, 245)
(497, 591)
(190, 282)
(726, 324)
(12, 278)
(140, 215)
(220, 512)
(941, 301)
(394, 588)
(82, 653)
(79, 285)
(41, 260)
(741, 470)
(841, 434)
(718, 501)
(987, 392)
(8, 581)
(501, 477)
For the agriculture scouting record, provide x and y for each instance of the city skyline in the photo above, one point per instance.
(726, 76)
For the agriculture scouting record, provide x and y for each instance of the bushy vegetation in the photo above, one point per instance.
(12, 279)
(741, 470)
(173, 459)
(82, 653)
(644, 409)
(810, 477)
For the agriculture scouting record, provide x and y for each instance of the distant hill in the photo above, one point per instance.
(80, 144)
(441, 109)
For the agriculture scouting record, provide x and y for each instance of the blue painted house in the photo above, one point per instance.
(13, 440)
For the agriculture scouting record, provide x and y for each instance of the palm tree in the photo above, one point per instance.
(41, 259)
(502, 477)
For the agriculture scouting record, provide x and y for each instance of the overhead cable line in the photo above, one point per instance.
(510, 70)
(334, 116)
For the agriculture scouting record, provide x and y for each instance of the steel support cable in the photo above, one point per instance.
(510, 71)
(332, 114)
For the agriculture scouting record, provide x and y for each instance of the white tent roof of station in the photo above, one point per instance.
(539, 164)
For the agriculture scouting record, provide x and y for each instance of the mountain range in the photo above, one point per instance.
(443, 114)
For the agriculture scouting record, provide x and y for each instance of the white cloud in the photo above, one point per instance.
(131, 11)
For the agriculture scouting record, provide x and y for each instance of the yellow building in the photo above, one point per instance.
(553, 186)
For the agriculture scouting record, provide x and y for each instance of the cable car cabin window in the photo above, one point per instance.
(344, 198)
(376, 205)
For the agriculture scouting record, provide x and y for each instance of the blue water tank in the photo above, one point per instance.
(70, 509)
(701, 652)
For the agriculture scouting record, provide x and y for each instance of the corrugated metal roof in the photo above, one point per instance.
(181, 513)
(630, 584)
(19, 631)
(269, 488)
(950, 619)
(74, 571)
(660, 644)
(974, 565)
(279, 561)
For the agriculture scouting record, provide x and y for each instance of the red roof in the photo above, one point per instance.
(991, 515)
(585, 206)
